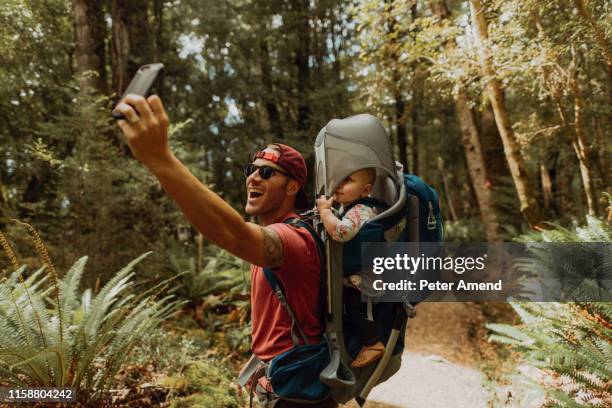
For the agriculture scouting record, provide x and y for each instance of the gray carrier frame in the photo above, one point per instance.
(342, 147)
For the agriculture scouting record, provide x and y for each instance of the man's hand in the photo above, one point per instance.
(146, 132)
(324, 203)
(146, 128)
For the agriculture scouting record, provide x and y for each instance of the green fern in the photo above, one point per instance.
(572, 341)
(581, 269)
(222, 274)
(72, 339)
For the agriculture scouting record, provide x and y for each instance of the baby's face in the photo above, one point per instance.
(353, 188)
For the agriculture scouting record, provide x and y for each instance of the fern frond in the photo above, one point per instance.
(9, 251)
(44, 255)
(101, 328)
(69, 287)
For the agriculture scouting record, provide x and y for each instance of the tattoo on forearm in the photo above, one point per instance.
(273, 248)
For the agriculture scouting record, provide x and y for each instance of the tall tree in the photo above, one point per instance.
(416, 95)
(131, 40)
(299, 20)
(89, 35)
(400, 114)
(387, 66)
(557, 80)
(492, 146)
(471, 138)
(526, 194)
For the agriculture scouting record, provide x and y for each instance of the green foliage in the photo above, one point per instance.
(465, 230)
(569, 341)
(185, 363)
(217, 297)
(72, 339)
(596, 230)
(205, 385)
(580, 267)
(223, 274)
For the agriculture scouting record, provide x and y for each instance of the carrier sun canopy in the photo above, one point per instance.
(347, 145)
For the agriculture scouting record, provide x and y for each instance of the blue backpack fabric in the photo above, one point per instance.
(430, 216)
(430, 222)
(294, 374)
(430, 230)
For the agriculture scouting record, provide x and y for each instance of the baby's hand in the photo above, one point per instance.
(324, 203)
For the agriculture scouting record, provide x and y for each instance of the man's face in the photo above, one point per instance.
(266, 196)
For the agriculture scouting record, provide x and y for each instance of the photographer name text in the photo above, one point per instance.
(423, 284)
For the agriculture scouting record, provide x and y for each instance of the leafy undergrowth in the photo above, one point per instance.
(179, 367)
(566, 346)
(204, 384)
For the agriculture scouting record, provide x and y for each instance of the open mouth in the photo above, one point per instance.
(255, 194)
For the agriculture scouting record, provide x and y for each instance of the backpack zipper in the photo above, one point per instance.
(431, 220)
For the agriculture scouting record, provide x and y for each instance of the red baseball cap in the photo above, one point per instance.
(293, 163)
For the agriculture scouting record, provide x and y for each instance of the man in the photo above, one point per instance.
(275, 185)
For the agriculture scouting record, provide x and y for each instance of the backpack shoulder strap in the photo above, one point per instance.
(319, 243)
(322, 264)
(279, 291)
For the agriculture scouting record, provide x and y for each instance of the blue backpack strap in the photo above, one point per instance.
(279, 291)
(315, 236)
(277, 288)
(322, 264)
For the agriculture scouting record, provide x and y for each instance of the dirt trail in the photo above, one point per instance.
(452, 330)
(445, 349)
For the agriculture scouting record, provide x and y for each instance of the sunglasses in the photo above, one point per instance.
(265, 172)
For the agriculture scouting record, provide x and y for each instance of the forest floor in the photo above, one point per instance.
(448, 362)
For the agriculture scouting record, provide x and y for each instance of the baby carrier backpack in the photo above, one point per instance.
(411, 213)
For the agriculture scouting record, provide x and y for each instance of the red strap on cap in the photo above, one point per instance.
(267, 156)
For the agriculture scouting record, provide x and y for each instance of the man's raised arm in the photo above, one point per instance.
(146, 133)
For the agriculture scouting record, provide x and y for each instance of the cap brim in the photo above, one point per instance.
(301, 201)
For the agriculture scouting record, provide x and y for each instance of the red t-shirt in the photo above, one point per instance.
(299, 275)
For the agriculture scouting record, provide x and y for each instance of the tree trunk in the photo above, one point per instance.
(336, 52)
(562, 178)
(473, 151)
(269, 98)
(160, 47)
(131, 45)
(89, 35)
(546, 185)
(400, 126)
(120, 47)
(600, 35)
(602, 154)
(600, 38)
(449, 200)
(578, 137)
(476, 167)
(158, 16)
(414, 117)
(302, 54)
(579, 143)
(526, 194)
(3, 201)
(417, 93)
(399, 115)
(492, 146)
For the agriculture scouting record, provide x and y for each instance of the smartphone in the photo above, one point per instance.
(142, 83)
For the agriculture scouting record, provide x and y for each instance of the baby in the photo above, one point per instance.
(355, 187)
